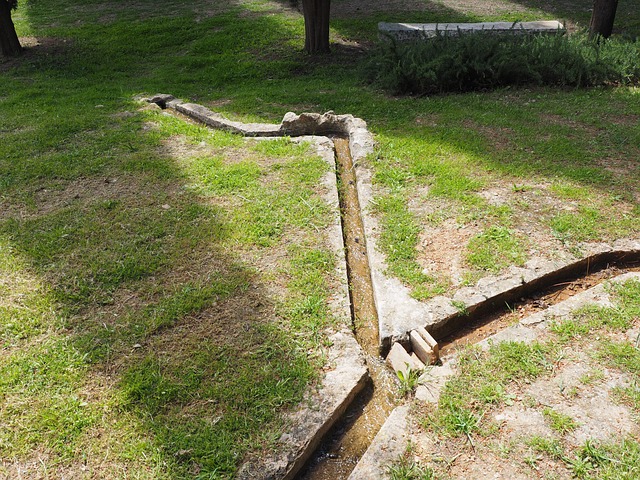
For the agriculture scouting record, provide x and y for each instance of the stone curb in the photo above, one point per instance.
(420, 31)
(439, 315)
(349, 375)
(388, 445)
(528, 329)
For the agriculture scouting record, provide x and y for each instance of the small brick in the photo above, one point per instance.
(400, 360)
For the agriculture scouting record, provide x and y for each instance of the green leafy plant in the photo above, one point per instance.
(408, 380)
(482, 60)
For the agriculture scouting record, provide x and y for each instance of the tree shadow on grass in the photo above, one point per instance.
(158, 349)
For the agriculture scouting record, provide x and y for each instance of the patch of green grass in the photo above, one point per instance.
(494, 249)
(398, 241)
(309, 271)
(281, 147)
(585, 321)
(202, 421)
(559, 422)
(483, 380)
(549, 446)
(193, 133)
(216, 177)
(570, 191)
(585, 224)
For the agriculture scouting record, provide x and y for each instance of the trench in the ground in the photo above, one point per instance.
(349, 439)
(482, 324)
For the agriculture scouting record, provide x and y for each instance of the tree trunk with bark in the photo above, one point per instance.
(316, 25)
(9, 43)
(604, 12)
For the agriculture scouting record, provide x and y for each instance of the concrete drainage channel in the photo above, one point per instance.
(355, 398)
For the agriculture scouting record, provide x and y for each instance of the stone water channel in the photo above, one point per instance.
(385, 316)
(347, 442)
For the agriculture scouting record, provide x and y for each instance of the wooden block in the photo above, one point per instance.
(426, 336)
(421, 348)
(400, 360)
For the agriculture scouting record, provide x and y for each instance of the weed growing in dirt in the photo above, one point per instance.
(408, 381)
(559, 422)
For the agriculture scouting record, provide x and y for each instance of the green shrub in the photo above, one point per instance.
(484, 60)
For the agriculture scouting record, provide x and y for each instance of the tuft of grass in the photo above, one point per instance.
(406, 469)
(494, 249)
(549, 446)
(559, 422)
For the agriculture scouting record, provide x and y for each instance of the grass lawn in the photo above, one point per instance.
(164, 288)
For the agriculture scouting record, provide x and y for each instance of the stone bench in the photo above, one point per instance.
(417, 31)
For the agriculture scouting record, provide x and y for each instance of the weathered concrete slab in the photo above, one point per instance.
(389, 444)
(419, 31)
(400, 361)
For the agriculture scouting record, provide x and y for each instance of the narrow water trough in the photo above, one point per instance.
(485, 323)
(384, 315)
(352, 435)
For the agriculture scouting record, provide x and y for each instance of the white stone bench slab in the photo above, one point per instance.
(416, 31)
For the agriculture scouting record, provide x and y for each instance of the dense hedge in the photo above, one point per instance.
(482, 60)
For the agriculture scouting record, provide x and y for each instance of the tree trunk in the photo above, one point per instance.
(604, 11)
(9, 43)
(316, 25)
